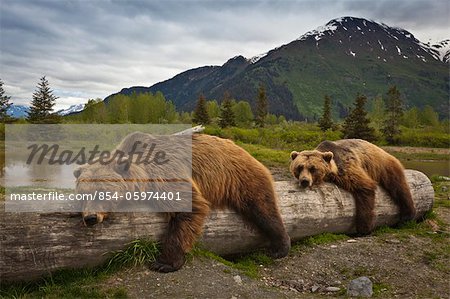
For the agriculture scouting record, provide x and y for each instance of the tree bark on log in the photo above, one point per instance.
(36, 244)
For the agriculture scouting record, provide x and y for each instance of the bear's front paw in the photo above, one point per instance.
(281, 250)
(161, 265)
(406, 216)
(363, 230)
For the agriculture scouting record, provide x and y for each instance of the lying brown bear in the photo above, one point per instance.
(356, 166)
(223, 176)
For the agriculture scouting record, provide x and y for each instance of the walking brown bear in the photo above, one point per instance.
(223, 176)
(356, 166)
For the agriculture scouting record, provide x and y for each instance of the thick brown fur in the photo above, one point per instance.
(223, 176)
(356, 166)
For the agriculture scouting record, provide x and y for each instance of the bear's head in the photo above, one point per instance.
(101, 185)
(311, 167)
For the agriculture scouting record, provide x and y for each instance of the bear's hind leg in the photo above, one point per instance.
(264, 214)
(183, 230)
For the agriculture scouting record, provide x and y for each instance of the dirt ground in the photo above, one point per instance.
(399, 264)
(399, 267)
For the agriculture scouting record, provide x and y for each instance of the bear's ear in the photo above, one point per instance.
(122, 166)
(77, 172)
(294, 155)
(327, 156)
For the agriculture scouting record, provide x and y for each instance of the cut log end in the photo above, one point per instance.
(33, 245)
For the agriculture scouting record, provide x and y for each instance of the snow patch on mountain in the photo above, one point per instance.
(256, 58)
(320, 31)
(442, 49)
(438, 50)
(71, 109)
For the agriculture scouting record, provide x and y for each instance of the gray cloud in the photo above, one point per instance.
(91, 49)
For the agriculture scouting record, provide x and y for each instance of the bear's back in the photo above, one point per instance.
(224, 170)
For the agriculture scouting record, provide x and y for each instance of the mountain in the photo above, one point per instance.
(342, 58)
(18, 111)
(72, 109)
(442, 50)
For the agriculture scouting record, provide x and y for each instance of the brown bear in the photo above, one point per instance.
(223, 176)
(356, 166)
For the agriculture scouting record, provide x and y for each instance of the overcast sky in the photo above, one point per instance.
(92, 48)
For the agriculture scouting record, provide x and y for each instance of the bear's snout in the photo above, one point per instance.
(90, 219)
(304, 183)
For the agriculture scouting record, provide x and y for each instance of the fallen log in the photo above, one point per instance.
(33, 244)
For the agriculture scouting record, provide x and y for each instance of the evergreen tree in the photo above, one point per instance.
(227, 118)
(42, 105)
(261, 107)
(394, 114)
(325, 122)
(200, 113)
(356, 125)
(4, 104)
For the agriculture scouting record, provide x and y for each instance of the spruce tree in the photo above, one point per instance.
(200, 113)
(42, 105)
(261, 107)
(356, 125)
(394, 114)
(4, 104)
(227, 118)
(325, 122)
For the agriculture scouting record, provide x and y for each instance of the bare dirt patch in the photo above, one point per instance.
(399, 267)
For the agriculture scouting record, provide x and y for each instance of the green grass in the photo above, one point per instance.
(424, 138)
(288, 136)
(81, 283)
(137, 253)
(441, 187)
(249, 264)
(416, 228)
(269, 157)
(380, 290)
(300, 136)
(321, 239)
